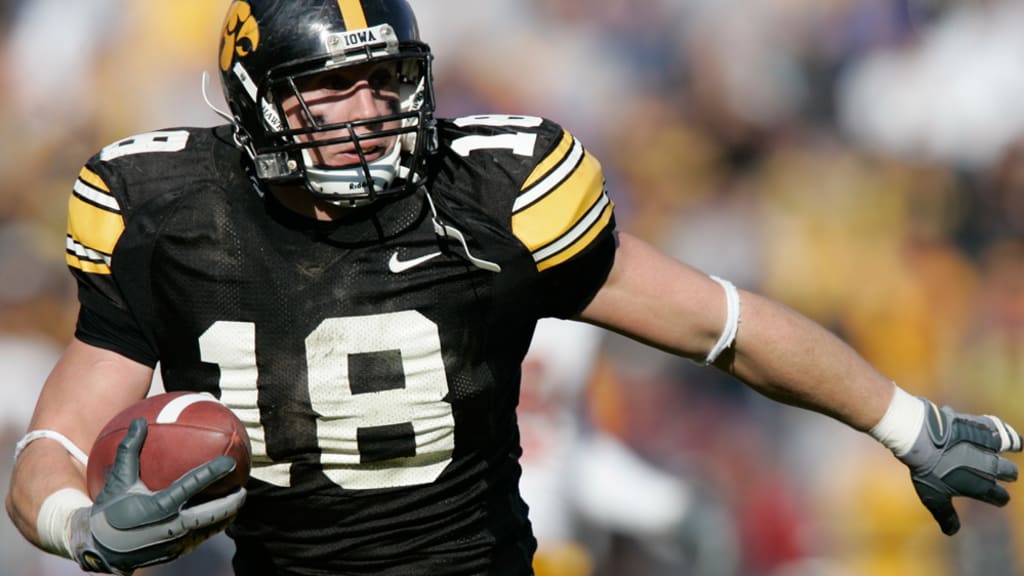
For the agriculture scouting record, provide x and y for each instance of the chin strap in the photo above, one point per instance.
(238, 135)
(206, 97)
(445, 231)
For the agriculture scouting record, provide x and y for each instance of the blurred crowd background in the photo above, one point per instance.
(861, 161)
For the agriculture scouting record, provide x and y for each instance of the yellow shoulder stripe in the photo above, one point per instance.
(92, 226)
(581, 237)
(95, 224)
(93, 179)
(74, 261)
(552, 215)
(548, 164)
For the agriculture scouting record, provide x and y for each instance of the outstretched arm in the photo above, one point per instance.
(787, 357)
(778, 352)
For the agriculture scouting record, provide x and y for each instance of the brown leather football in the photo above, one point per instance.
(185, 430)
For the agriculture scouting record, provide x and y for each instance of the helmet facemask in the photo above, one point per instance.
(385, 153)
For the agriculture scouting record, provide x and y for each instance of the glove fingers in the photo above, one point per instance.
(989, 431)
(195, 481)
(958, 455)
(981, 431)
(940, 504)
(214, 512)
(1009, 438)
(197, 537)
(1006, 470)
(125, 470)
(996, 495)
(946, 516)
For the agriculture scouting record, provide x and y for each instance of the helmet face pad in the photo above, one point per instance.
(289, 48)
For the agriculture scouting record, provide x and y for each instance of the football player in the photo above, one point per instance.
(359, 281)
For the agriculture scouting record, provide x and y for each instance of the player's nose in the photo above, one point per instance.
(364, 102)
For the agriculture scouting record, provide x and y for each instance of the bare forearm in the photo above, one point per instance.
(42, 469)
(790, 358)
(793, 360)
(85, 389)
(777, 351)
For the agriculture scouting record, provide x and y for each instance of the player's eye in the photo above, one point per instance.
(383, 78)
(336, 82)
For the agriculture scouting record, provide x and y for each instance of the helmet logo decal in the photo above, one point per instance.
(241, 34)
(353, 14)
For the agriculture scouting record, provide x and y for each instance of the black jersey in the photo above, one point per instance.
(375, 368)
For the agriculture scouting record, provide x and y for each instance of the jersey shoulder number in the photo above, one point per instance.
(561, 204)
(122, 176)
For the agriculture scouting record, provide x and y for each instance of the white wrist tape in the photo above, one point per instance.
(52, 435)
(732, 320)
(53, 522)
(899, 427)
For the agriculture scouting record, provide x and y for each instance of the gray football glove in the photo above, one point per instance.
(957, 455)
(129, 526)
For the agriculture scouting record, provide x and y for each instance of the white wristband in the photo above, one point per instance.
(54, 519)
(899, 427)
(52, 435)
(732, 320)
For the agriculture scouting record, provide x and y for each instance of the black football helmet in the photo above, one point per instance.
(269, 47)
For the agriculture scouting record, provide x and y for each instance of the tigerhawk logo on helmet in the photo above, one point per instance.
(268, 47)
(241, 34)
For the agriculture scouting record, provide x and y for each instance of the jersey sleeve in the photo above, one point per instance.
(565, 218)
(96, 224)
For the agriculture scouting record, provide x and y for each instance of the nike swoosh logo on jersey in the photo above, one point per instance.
(398, 266)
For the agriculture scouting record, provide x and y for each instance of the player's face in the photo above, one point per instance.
(349, 94)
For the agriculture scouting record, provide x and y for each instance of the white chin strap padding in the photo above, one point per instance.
(348, 182)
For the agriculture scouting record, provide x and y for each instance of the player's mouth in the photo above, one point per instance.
(371, 152)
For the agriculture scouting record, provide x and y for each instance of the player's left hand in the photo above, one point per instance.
(958, 455)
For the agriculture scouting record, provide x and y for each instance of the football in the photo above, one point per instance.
(185, 430)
